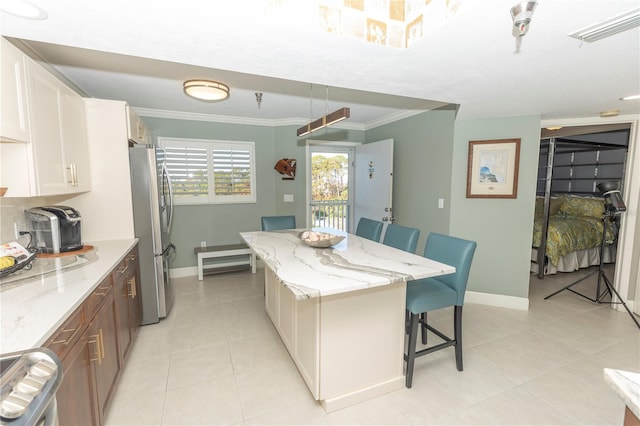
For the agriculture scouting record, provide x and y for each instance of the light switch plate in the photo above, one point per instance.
(288, 198)
(441, 203)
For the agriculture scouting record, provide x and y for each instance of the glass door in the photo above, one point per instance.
(329, 187)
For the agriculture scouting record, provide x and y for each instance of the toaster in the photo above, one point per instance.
(55, 229)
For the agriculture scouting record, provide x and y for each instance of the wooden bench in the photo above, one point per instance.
(235, 254)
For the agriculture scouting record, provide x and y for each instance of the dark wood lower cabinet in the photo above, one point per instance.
(127, 283)
(92, 360)
(75, 395)
(105, 358)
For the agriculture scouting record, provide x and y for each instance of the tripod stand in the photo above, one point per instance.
(602, 278)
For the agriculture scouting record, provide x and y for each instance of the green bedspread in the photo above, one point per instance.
(567, 234)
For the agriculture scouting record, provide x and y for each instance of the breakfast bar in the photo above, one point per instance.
(340, 310)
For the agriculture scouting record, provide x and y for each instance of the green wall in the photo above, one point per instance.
(501, 227)
(288, 145)
(422, 157)
(430, 162)
(219, 223)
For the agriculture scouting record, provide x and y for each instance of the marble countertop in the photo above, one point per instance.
(353, 264)
(31, 310)
(627, 386)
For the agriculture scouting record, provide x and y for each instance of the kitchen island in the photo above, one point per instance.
(340, 311)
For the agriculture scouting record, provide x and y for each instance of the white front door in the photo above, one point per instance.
(374, 182)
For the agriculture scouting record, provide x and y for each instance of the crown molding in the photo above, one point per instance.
(390, 118)
(193, 116)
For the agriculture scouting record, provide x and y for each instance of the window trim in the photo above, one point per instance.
(210, 145)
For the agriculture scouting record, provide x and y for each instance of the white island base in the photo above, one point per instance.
(349, 346)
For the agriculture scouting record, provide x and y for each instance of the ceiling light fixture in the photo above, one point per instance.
(327, 120)
(610, 113)
(609, 27)
(630, 98)
(552, 128)
(206, 90)
(521, 14)
(23, 9)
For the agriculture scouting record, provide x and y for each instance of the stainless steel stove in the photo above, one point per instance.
(29, 381)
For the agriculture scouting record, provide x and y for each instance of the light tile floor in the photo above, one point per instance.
(218, 360)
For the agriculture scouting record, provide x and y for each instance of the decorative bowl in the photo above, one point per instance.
(319, 239)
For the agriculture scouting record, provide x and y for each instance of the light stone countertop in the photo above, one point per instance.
(32, 310)
(353, 264)
(627, 386)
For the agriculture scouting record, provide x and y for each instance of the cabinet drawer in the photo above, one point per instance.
(98, 297)
(69, 333)
(124, 266)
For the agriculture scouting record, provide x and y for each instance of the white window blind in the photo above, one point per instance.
(232, 172)
(209, 171)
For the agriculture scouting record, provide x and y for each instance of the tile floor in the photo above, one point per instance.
(218, 360)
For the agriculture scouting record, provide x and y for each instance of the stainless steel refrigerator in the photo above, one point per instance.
(152, 215)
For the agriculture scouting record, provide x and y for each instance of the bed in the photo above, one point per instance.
(568, 220)
(574, 234)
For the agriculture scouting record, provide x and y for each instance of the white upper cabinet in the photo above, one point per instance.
(55, 159)
(14, 120)
(75, 141)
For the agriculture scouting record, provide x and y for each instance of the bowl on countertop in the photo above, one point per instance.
(319, 239)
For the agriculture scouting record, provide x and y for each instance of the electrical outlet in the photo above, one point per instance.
(16, 230)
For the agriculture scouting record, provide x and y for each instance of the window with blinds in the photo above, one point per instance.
(209, 171)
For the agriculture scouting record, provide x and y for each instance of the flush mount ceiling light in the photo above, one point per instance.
(23, 9)
(630, 98)
(609, 27)
(206, 90)
(521, 14)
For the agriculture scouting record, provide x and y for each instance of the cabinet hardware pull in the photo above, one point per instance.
(122, 269)
(104, 289)
(101, 343)
(135, 291)
(130, 283)
(70, 176)
(131, 257)
(73, 175)
(70, 339)
(97, 352)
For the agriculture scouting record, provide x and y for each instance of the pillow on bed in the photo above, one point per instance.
(582, 206)
(554, 205)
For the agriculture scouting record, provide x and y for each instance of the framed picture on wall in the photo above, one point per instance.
(492, 168)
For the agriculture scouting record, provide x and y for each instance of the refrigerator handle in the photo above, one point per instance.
(165, 173)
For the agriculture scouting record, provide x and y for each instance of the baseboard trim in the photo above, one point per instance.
(512, 302)
(183, 272)
(500, 300)
(192, 271)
